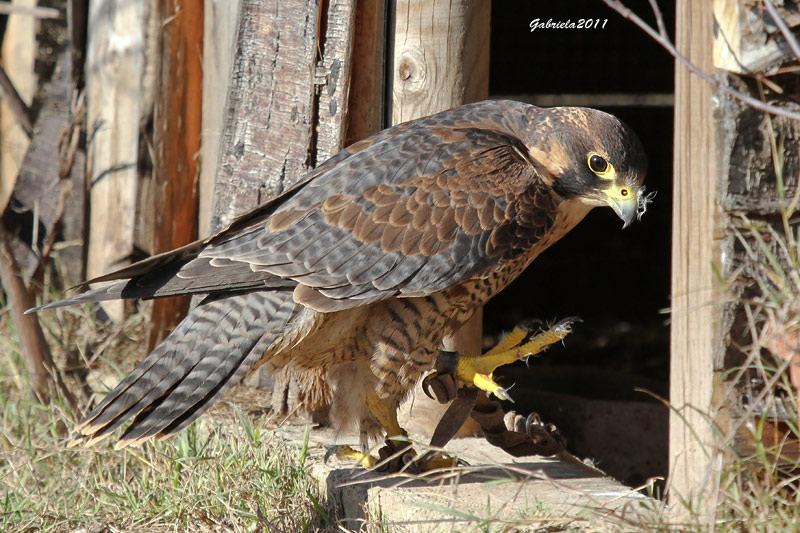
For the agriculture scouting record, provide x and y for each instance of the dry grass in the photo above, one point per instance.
(232, 479)
(759, 488)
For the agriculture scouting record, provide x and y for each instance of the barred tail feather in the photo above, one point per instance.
(211, 350)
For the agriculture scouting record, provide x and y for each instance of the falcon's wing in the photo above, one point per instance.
(411, 215)
(409, 212)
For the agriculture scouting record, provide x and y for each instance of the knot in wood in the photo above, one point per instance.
(411, 70)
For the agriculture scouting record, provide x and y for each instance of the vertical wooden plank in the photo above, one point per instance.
(114, 73)
(219, 29)
(335, 75)
(176, 138)
(365, 110)
(18, 55)
(441, 60)
(695, 249)
(441, 56)
(332, 78)
(267, 134)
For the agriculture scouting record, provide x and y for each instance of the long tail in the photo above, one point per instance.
(211, 350)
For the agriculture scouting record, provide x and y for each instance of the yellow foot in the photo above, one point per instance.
(515, 346)
(347, 453)
(394, 460)
(437, 461)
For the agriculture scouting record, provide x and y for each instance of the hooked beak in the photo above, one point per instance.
(629, 203)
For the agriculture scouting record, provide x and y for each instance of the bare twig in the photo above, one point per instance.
(662, 29)
(787, 33)
(15, 103)
(67, 148)
(625, 12)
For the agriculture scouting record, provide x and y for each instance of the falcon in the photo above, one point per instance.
(360, 269)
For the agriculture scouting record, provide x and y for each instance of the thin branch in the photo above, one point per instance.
(67, 148)
(35, 350)
(16, 104)
(787, 33)
(620, 8)
(662, 29)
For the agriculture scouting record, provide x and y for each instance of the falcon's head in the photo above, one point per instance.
(590, 155)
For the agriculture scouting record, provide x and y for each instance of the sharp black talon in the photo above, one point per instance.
(531, 420)
(330, 452)
(425, 384)
(446, 366)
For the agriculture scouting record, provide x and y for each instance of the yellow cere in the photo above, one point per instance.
(620, 193)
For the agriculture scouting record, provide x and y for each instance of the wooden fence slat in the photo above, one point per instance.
(746, 40)
(266, 135)
(333, 78)
(365, 110)
(441, 56)
(441, 60)
(115, 50)
(695, 249)
(176, 139)
(41, 191)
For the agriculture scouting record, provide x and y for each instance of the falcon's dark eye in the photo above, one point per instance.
(597, 164)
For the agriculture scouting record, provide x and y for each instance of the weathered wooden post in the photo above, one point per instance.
(695, 219)
(441, 60)
(286, 102)
(268, 132)
(219, 32)
(726, 158)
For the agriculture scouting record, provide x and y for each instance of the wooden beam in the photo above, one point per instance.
(441, 60)
(176, 139)
(15, 104)
(695, 350)
(49, 186)
(114, 66)
(18, 8)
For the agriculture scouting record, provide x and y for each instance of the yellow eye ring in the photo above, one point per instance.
(600, 166)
